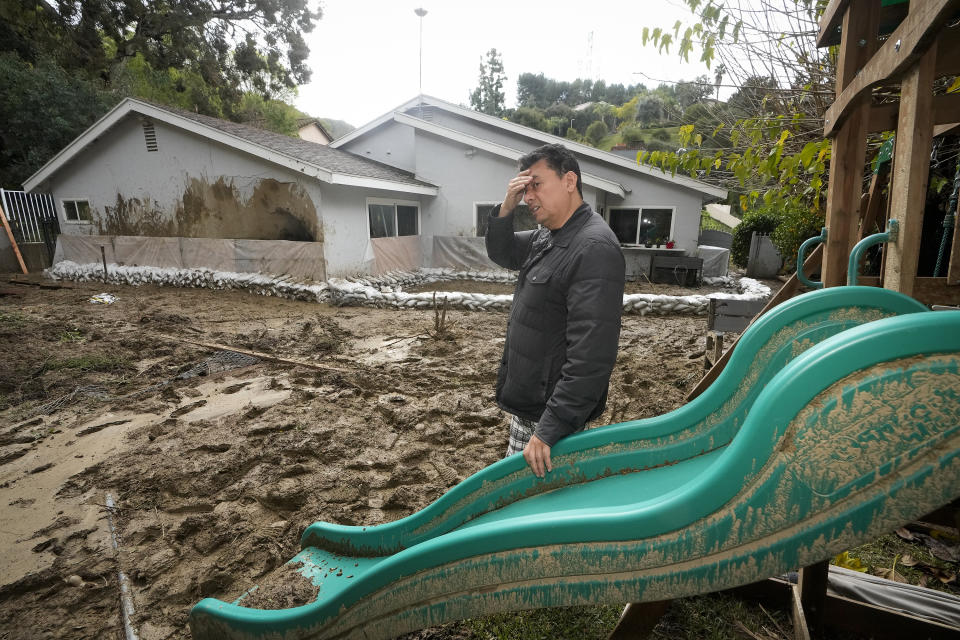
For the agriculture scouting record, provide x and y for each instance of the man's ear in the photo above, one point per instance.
(570, 181)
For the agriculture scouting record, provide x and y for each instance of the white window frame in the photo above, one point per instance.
(394, 202)
(476, 220)
(63, 210)
(640, 208)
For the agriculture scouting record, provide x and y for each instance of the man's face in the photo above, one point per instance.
(551, 198)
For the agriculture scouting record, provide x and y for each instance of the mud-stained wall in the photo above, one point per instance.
(274, 211)
(189, 186)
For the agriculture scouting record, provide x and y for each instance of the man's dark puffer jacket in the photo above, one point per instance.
(564, 325)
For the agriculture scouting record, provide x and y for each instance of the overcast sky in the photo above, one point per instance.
(364, 53)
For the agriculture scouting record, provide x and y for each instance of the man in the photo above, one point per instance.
(564, 325)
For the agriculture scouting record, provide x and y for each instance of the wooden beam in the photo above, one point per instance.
(872, 621)
(911, 169)
(849, 152)
(946, 129)
(830, 22)
(13, 242)
(812, 585)
(830, 32)
(801, 631)
(946, 111)
(903, 48)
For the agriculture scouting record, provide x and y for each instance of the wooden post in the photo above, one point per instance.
(13, 242)
(911, 168)
(812, 585)
(849, 152)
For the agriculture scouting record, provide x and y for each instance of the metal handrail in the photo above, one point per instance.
(801, 257)
(890, 235)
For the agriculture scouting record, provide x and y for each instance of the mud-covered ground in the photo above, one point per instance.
(217, 462)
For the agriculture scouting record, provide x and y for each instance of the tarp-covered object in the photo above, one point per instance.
(279, 257)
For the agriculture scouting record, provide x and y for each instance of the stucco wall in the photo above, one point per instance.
(347, 247)
(390, 144)
(466, 179)
(189, 187)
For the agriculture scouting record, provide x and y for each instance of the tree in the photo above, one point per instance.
(44, 108)
(596, 132)
(253, 44)
(489, 97)
(777, 156)
(651, 110)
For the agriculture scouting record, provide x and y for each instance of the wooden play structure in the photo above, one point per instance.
(802, 442)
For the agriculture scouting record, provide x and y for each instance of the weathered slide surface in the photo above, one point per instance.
(837, 419)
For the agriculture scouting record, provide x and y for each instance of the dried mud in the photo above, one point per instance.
(217, 471)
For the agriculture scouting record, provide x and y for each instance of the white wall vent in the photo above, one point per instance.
(150, 136)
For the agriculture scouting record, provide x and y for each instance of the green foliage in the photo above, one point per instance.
(337, 128)
(633, 137)
(661, 134)
(651, 110)
(760, 222)
(529, 117)
(573, 135)
(795, 226)
(273, 115)
(253, 44)
(709, 224)
(596, 132)
(489, 97)
(44, 108)
(536, 90)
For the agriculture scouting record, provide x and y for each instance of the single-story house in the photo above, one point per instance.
(412, 188)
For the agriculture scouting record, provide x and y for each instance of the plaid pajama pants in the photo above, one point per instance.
(520, 432)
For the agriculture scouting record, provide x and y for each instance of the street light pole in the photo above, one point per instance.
(420, 11)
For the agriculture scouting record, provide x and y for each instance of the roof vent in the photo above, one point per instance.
(150, 136)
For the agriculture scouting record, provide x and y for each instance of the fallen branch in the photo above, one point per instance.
(256, 354)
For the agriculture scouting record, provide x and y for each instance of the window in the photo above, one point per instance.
(645, 225)
(76, 211)
(389, 219)
(522, 220)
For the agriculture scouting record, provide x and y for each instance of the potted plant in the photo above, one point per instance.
(670, 243)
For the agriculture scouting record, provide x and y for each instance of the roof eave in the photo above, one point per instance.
(497, 149)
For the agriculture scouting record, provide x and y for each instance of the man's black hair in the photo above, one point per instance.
(558, 158)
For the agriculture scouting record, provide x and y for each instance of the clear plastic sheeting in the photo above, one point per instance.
(906, 598)
(302, 260)
(462, 253)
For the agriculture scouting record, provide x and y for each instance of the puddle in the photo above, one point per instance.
(33, 480)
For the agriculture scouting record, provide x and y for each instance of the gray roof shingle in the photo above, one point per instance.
(333, 160)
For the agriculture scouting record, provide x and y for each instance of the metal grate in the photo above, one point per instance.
(150, 136)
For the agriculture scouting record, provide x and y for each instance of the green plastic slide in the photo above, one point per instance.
(835, 420)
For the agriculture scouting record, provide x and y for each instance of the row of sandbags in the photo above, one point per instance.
(386, 290)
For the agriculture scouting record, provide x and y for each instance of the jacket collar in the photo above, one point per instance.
(563, 235)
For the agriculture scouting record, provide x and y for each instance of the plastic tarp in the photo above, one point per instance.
(463, 253)
(401, 253)
(302, 260)
(716, 260)
(906, 598)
